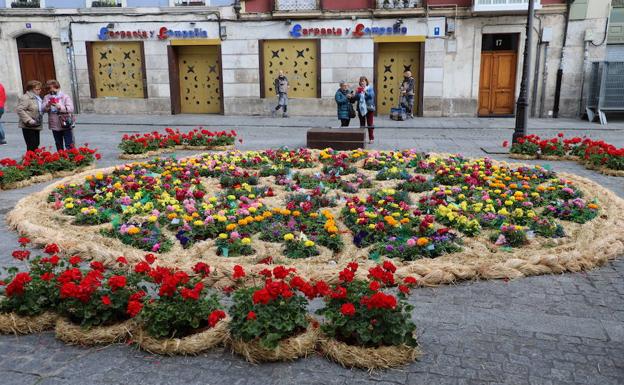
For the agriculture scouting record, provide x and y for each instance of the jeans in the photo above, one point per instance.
(409, 104)
(66, 136)
(2, 139)
(31, 137)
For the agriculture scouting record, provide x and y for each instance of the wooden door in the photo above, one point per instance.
(36, 64)
(117, 69)
(392, 59)
(199, 74)
(497, 83)
(299, 59)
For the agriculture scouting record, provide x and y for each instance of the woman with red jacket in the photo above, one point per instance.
(2, 101)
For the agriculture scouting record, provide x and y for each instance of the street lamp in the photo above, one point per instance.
(522, 111)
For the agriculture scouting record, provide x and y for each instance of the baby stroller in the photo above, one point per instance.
(399, 112)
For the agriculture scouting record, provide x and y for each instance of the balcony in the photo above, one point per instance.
(105, 3)
(503, 5)
(189, 3)
(296, 5)
(26, 4)
(398, 4)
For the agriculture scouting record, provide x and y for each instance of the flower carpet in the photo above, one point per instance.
(440, 218)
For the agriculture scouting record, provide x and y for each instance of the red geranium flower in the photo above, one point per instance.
(215, 317)
(23, 241)
(347, 309)
(238, 272)
(150, 258)
(117, 282)
(142, 267)
(251, 315)
(51, 248)
(122, 260)
(21, 254)
(75, 260)
(106, 300)
(201, 268)
(134, 307)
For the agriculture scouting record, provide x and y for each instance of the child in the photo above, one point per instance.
(281, 89)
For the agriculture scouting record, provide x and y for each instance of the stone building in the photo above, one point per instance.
(213, 57)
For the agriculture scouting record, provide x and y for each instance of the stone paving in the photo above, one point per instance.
(548, 330)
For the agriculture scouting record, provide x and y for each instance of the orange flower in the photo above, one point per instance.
(422, 241)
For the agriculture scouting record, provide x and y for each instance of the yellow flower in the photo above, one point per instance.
(69, 206)
(99, 176)
(309, 243)
(223, 236)
(246, 241)
(152, 218)
(289, 237)
(198, 223)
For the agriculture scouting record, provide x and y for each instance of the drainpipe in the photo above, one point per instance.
(560, 70)
(237, 9)
(538, 50)
(544, 81)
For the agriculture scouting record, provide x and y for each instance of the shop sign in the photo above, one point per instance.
(360, 30)
(163, 33)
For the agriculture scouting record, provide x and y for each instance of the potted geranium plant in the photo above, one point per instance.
(181, 317)
(28, 298)
(366, 325)
(270, 322)
(95, 303)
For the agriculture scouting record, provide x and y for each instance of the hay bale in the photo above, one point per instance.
(287, 350)
(73, 334)
(11, 323)
(190, 345)
(522, 156)
(383, 357)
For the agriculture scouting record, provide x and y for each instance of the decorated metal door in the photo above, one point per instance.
(299, 61)
(200, 79)
(392, 60)
(117, 69)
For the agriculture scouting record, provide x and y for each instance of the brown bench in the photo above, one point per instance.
(336, 138)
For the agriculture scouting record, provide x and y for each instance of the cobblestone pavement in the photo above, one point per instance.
(547, 330)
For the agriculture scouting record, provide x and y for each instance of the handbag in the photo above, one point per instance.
(38, 121)
(67, 121)
(370, 108)
(351, 111)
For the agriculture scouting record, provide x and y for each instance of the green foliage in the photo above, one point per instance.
(274, 321)
(368, 327)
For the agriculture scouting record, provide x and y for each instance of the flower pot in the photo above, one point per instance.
(73, 334)
(287, 350)
(190, 345)
(11, 323)
(368, 358)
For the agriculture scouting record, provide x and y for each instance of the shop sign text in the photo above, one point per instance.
(163, 33)
(360, 30)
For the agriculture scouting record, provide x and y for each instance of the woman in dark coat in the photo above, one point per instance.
(344, 98)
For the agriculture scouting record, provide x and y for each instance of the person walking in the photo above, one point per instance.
(60, 108)
(365, 96)
(408, 92)
(281, 89)
(344, 99)
(2, 101)
(29, 111)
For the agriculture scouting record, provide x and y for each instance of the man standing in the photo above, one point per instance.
(281, 89)
(2, 101)
(407, 92)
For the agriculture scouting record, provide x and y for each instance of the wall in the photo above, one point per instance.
(10, 76)
(156, 65)
(259, 6)
(346, 4)
(342, 58)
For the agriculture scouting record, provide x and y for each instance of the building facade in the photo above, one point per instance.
(183, 56)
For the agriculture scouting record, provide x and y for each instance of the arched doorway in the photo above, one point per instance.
(36, 58)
